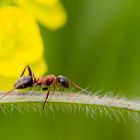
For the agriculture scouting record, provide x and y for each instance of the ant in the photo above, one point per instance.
(44, 82)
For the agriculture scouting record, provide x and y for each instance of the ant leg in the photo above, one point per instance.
(29, 70)
(58, 89)
(54, 87)
(46, 99)
(34, 77)
(6, 93)
(44, 87)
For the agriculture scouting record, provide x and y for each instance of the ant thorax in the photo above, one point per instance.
(47, 80)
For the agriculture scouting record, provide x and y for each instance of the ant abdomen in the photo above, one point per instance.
(23, 82)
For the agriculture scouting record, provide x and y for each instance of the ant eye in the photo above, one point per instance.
(63, 81)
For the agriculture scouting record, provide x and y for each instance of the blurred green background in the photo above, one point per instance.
(99, 48)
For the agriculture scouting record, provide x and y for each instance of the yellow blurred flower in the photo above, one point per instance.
(20, 39)
(50, 13)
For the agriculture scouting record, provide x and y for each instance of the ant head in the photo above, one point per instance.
(62, 80)
(24, 82)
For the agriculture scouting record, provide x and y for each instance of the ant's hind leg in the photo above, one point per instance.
(34, 77)
(47, 95)
(29, 70)
(9, 92)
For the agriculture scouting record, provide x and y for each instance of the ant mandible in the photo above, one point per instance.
(44, 82)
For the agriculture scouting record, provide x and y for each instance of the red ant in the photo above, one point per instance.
(44, 82)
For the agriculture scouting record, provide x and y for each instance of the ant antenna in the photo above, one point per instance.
(7, 93)
(78, 87)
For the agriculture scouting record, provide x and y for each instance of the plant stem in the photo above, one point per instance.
(74, 98)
